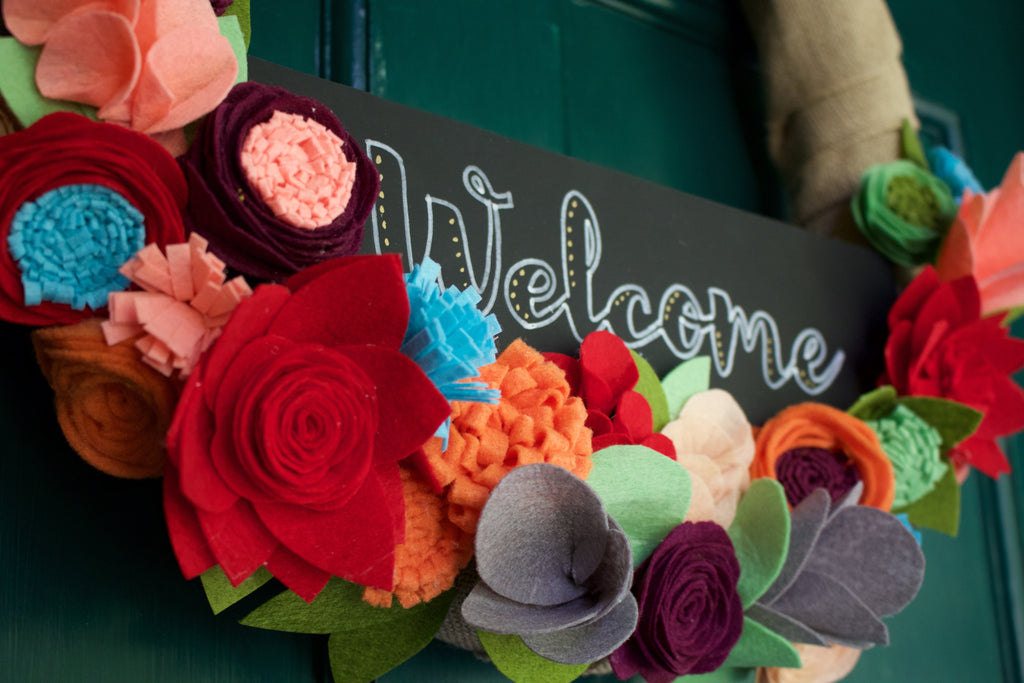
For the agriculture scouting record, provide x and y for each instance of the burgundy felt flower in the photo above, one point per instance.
(284, 449)
(804, 469)
(604, 377)
(940, 346)
(690, 612)
(75, 194)
(277, 184)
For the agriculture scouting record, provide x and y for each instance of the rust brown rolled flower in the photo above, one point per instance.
(114, 409)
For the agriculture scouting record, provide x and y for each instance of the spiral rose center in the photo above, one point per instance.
(802, 470)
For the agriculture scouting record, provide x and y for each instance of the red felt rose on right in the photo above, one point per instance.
(939, 345)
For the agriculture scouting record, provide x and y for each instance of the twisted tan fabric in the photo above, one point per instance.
(8, 123)
(836, 96)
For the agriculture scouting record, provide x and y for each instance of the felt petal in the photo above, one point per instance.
(546, 519)
(187, 539)
(186, 74)
(831, 609)
(355, 542)
(806, 522)
(188, 445)
(160, 17)
(30, 21)
(302, 578)
(874, 555)
(341, 305)
(410, 407)
(607, 364)
(588, 642)
(785, 626)
(490, 611)
(633, 415)
(91, 58)
(238, 539)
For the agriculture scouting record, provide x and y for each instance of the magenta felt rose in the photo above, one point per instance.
(690, 612)
(276, 184)
(284, 449)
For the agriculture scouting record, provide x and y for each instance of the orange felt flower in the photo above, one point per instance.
(114, 409)
(535, 421)
(816, 425)
(434, 550)
(986, 241)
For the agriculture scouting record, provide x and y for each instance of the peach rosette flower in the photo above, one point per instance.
(714, 442)
(820, 665)
(986, 241)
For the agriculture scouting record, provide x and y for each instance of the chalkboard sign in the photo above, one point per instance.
(559, 248)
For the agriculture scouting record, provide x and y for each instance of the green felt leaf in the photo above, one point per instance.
(953, 421)
(18, 85)
(625, 475)
(910, 146)
(687, 379)
(361, 654)
(939, 509)
(338, 607)
(649, 386)
(221, 594)
(760, 535)
(875, 404)
(760, 646)
(1012, 314)
(230, 29)
(240, 10)
(523, 665)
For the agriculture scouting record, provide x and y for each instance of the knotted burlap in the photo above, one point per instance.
(836, 96)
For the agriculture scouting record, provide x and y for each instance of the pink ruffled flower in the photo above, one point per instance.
(714, 442)
(182, 309)
(150, 65)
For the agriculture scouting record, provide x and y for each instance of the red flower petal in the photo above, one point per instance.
(633, 416)
(982, 454)
(343, 305)
(299, 576)
(238, 539)
(390, 476)
(570, 366)
(914, 296)
(413, 408)
(660, 443)
(187, 537)
(606, 363)
(355, 542)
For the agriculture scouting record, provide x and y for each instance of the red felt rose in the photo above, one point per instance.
(940, 346)
(604, 377)
(284, 449)
(66, 149)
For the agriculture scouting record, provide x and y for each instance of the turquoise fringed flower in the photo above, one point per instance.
(448, 337)
(70, 242)
(953, 171)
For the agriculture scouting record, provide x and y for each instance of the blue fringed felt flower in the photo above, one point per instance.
(448, 337)
(954, 171)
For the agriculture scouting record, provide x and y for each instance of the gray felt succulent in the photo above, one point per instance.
(555, 568)
(846, 569)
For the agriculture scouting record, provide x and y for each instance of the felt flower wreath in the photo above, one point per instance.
(283, 452)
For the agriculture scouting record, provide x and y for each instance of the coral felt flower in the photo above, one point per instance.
(815, 425)
(940, 346)
(77, 198)
(604, 377)
(276, 183)
(113, 409)
(986, 241)
(150, 65)
(283, 452)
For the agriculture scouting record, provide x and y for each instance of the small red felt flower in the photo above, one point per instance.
(284, 450)
(940, 346)
(604, 377)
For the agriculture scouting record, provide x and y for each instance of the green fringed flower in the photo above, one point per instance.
(915, 449)
(904, 211)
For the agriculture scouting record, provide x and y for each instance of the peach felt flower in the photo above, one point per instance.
(151, 65)
(820, 665)
(986, 242)
(713, 441)
(535, 421)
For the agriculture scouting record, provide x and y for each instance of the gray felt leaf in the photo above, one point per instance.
(490, 611)
(871, 553)
(807, 520)
(591, 641)
(788, 628)
(541, 526)
(831, 609)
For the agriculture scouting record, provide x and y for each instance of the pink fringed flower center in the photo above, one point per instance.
(182, 309)
(299, 169)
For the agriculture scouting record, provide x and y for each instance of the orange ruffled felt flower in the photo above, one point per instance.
(434, 550)
(986, 241)
(113, 409)
(535, 421)
(816, 425)
(151, 65)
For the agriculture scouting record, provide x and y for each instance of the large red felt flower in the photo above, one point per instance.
(285, 446)
(940, 346)
(604, 377)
